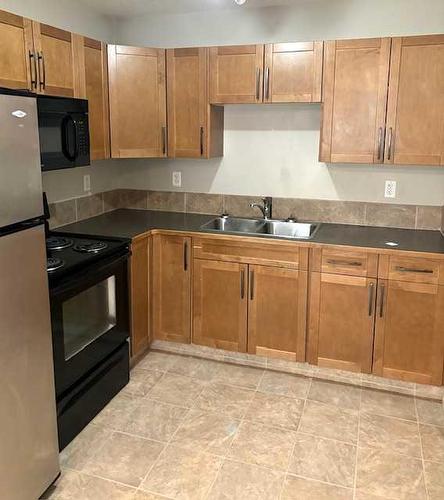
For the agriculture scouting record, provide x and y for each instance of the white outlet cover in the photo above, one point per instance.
(177, 179)
(86, 182)
(390, 189)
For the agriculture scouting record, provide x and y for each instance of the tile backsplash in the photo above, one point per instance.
(346, 212)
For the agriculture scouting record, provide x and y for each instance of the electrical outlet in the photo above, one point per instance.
(86, 183)
(177, 179)
(390, 189)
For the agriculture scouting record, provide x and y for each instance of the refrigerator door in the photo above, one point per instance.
(20, 172)
(28, 431)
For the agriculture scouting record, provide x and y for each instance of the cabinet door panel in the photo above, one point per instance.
(409, 343)
(277, 312)
(236, 74)
(415, 120)
(355, 94)
(137, 101)
(139, 280)
(293, 72)
(341, 321)
(220, 304)
(96, 87)
(17, 63)
(171, 288)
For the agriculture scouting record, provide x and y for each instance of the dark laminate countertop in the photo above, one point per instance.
(128, 223)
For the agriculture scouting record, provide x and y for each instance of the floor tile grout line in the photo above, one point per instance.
(355, 479)
(422, 450)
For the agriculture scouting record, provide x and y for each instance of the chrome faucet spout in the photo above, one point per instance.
(266, 208)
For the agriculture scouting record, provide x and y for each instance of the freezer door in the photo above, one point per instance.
(28, 432)
(20, 172)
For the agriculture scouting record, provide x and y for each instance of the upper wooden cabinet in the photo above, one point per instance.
(293, 72)
(290, 72)
(195, 129)
(137, 102)
(415, 117)
(354, 100)
(96, 91)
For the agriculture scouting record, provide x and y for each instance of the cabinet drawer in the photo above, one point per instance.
(251, 251)
(417, 270)
(348, 262)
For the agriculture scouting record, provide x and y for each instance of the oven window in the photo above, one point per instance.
(89, 315)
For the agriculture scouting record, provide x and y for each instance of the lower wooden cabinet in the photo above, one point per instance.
(277, 303)
(171, 287)
(140, 294)
(220, 304)
(341, 321)
(409, 341)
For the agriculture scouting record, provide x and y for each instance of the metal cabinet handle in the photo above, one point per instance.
(381, 303)
(33, 69)
(339, 262)
(380, 143)
(185, 256)
(390, 143)
(201, 141)
(258, 80)
(164, 140)
(267, 84)
(42, 75)
(251, 285)
(413, 270)
(371, 289)
(242, 284)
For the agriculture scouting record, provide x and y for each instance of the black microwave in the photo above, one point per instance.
(63, 132)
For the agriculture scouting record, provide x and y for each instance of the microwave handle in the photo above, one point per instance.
(66, 122)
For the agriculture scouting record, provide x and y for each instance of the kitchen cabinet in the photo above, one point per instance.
(293, 72)
(137, 94)
(277, 302)
(354, 100)
(409, 341)
(171, 287)
(140, 294)
(18, 66)
(96, 91)
(195, 129)
(220, 304)
(415, 118)
(59, 55)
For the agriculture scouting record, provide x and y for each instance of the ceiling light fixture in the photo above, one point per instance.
(240, 2)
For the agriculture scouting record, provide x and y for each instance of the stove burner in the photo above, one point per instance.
(91, 247)
(53, 263)
(58, 242)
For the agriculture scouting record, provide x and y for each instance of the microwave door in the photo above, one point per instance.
(70, 138)
(51, 131)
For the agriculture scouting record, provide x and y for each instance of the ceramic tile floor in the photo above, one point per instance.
(188, 428)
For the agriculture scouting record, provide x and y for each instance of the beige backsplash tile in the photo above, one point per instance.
(170, 201)
(428, 217)
(239, 206)
(390, 215)
(204, 203)
(112, 200)
(62, 212)
(89, 206)
(134, 198)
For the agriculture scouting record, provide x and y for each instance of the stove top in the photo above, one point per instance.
(67, 254)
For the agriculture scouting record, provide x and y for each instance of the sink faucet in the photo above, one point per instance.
(266, 208)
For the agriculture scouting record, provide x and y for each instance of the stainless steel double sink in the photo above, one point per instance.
(270, 227)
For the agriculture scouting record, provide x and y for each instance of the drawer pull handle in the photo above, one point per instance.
(242, 284)
(258, 81)
(185, 256)
(381, 304)
(338, 262)
(371, 288)
(413, 270)
(251, 285)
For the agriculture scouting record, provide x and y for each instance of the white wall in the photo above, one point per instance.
(273, 149)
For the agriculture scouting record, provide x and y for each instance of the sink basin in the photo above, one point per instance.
(278, 228)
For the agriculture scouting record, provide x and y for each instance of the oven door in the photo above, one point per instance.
(89, 315)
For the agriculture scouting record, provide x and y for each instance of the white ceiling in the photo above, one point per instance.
(130, 8)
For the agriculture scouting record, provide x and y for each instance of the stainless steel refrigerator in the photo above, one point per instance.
(28, 431)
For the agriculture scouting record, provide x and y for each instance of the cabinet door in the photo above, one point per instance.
(236, 74)
(18, 64)
(171, 288)
(341, 321)
(293, 72)
(140, 296)
(220, 304)
(96, 91)
(354, 100)
(137, 102)
(59, 58)
(277, 312)
(415, 118)
(409, 342)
